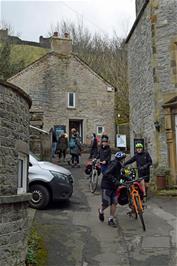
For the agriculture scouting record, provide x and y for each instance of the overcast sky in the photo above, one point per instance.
(34, 18)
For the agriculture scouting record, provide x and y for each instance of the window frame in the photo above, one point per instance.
(74, 100)
(22, 173)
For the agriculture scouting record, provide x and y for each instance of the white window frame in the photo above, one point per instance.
(22, 173)
(74, 100)
(99, 134)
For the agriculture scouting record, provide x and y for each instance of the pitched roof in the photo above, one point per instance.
(172, 102)
(61, 56)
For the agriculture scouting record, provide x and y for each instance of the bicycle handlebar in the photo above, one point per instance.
(132, 181)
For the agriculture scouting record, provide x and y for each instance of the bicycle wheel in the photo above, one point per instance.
(140, 212)
(93, 181)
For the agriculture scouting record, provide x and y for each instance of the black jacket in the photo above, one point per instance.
(104, 154)
(143, 161)
(111, 175)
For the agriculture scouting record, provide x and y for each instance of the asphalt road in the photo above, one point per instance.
(75, 237)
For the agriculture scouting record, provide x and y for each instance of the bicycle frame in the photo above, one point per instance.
(133, 194)
(135, 202)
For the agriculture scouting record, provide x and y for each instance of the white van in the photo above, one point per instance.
(48, 182)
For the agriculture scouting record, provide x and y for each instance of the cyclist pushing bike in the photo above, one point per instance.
(143, 161)
(109, 184)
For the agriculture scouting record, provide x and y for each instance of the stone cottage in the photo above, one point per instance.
(14, 150)
(152, 67)
(68, 93)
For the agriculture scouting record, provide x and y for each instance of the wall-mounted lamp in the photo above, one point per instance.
(157, 125)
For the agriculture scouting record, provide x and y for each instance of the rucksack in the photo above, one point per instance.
(72, 143)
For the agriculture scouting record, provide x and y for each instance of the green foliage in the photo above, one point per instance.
(162, 171)
(36, 253)
(14, 58)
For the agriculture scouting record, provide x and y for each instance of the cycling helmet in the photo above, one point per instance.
(139, 145)
(120, 155)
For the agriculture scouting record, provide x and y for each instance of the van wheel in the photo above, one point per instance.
(40, 197)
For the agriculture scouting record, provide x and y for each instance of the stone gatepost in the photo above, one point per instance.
(14, 150)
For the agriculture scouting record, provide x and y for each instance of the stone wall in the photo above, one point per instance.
(14, 138)
(165, 35)
(49, 81)
(152, 65)
(139, 4)
(14, 113)
(141, 84)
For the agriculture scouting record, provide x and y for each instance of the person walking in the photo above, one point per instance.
(75, 148)
(62, 145)
(109, 184)
(143, 161)
(104, 154)
(94, 147)
(54, 141)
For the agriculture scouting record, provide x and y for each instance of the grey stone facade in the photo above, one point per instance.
(139, 4)
(14, 139)
(152, 75)
(49, 80)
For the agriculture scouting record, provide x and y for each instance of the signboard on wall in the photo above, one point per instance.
(59, 129)
(121, 141)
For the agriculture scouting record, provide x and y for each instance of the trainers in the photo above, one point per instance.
(112, 223)
(101, 216)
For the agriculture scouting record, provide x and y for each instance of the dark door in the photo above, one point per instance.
(78, 125)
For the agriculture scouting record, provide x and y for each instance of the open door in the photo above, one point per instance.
(78, 125)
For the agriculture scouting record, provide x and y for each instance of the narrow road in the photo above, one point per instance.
(75, 237)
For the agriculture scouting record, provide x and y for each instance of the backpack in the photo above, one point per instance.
(72, 143)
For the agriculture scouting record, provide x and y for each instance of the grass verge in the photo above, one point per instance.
(36, 252)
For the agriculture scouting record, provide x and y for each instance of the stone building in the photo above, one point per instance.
(14, 150)
(68, 93)
(152, 66)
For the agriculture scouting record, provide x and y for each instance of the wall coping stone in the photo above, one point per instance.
(18, 90)
(15, 198)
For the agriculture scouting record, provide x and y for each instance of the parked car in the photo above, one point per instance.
(48, 182)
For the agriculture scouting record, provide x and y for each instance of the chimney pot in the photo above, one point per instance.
(55, 34)
(66, 35)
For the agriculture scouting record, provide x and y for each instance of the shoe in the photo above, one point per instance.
(101, 216)
(112, 223)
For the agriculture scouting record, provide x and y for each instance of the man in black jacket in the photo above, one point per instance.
(104, 154)
(109, 185)
(143, 161)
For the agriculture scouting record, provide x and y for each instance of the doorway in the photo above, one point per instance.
(78, 125)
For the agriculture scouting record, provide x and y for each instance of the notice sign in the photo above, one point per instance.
(121, 141)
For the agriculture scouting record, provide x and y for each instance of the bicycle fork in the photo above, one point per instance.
(137, 205)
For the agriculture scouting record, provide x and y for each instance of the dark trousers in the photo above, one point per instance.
(75, 158)
(62, 152)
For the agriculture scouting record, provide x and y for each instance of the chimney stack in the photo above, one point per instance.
(61, 45)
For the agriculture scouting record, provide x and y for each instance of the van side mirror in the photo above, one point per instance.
(30, 164)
